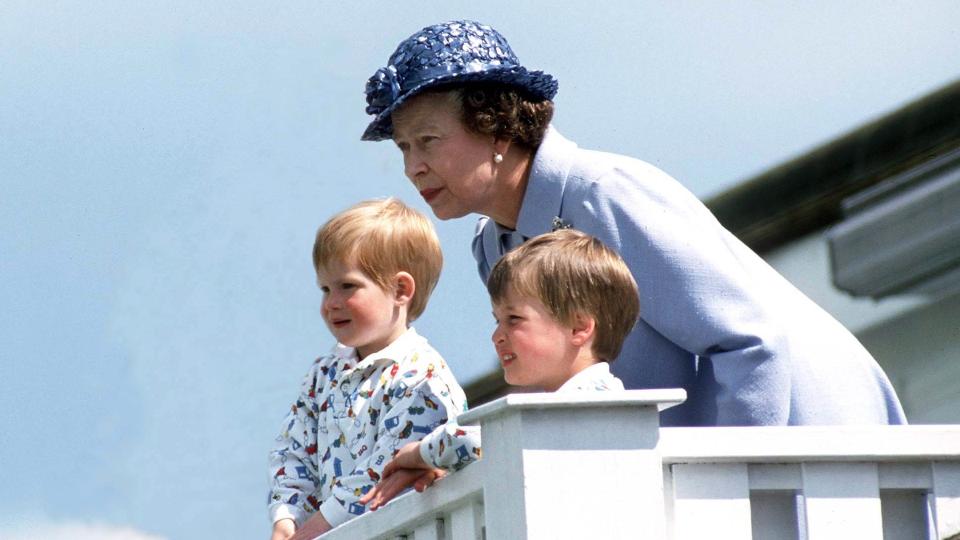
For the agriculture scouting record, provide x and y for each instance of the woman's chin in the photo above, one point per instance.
(445, 212)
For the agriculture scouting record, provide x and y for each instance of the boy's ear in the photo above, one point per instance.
(584, 327)
(404, 287)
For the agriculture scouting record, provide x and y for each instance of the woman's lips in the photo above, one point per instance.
(430, 193)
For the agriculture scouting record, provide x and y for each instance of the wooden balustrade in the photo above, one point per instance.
(597, 466)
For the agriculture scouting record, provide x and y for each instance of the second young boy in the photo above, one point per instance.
(563, 303)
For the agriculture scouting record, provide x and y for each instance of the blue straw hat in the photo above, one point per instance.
(452, 52)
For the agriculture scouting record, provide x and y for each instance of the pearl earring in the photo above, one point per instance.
(498, 158)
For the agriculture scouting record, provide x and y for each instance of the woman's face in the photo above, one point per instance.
(452, 168)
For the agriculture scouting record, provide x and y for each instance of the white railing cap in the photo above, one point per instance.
(662, 398)
(789, 444)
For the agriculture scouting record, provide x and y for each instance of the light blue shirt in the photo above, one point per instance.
(716, 319)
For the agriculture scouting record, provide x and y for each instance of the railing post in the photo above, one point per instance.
(573, 465)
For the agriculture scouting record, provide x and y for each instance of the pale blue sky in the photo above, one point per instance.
(164, 167)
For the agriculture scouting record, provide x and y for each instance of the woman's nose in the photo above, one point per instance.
(413, 165)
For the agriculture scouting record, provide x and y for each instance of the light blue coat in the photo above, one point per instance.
(716, 320)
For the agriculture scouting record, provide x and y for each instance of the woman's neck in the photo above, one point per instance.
(513, 175)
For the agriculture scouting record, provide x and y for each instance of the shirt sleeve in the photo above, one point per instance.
(451, 446)
(414, 411)
(293, 471)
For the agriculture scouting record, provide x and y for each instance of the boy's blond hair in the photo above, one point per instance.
(572, 273)
(383, 237)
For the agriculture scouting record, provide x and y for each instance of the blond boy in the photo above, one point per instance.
(563, 303)
(381, 387)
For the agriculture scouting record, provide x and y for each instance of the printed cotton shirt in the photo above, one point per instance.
(453, 446)
(350, 418)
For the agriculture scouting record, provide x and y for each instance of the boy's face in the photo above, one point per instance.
(534, 348)
(357, 311)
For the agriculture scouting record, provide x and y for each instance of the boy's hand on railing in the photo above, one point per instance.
(283, 529)
(408, 457)
(390, 487)
(314, 527)
(406, 469)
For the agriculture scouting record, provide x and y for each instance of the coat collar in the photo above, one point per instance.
(543, 199)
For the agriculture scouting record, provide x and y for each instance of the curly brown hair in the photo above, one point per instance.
(504, 111)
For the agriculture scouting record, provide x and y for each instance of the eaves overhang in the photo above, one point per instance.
(806, 194)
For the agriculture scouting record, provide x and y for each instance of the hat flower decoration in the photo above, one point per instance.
(382, 89)
(448, 53)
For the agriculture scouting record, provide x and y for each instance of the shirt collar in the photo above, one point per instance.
(586, 378)
(543, 199)
(393, 352)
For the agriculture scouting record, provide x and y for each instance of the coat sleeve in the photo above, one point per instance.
(293, 464)
(699, 287)
(416, 408)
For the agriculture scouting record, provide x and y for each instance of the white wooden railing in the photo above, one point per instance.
(599, 467)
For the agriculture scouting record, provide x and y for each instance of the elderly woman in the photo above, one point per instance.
(750, 349)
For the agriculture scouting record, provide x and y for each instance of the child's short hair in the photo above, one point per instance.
(383, 237)
(570, 272)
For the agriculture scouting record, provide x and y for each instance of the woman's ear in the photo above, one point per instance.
(404, 287)
(583, 329)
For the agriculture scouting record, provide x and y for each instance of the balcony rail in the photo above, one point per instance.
(599, 466)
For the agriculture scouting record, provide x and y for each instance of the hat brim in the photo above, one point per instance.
(537, 83)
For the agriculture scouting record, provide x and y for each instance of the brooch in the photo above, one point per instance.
(559, 224)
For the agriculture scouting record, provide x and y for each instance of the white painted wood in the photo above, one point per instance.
(432, 530)
(904, 514)
(809, 443)
(466, 522)
(668, 500)
(659, 399)
(711, 498)
(909, 475)
(842, 501)
(781, 476)
(773, 500)
(561, 463)
(555, 468)
(608, 484)
(773, 515)
(503, 491)
(403, 514)
(946, 498)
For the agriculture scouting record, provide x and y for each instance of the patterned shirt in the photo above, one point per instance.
(351, 417)
(453, 446)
